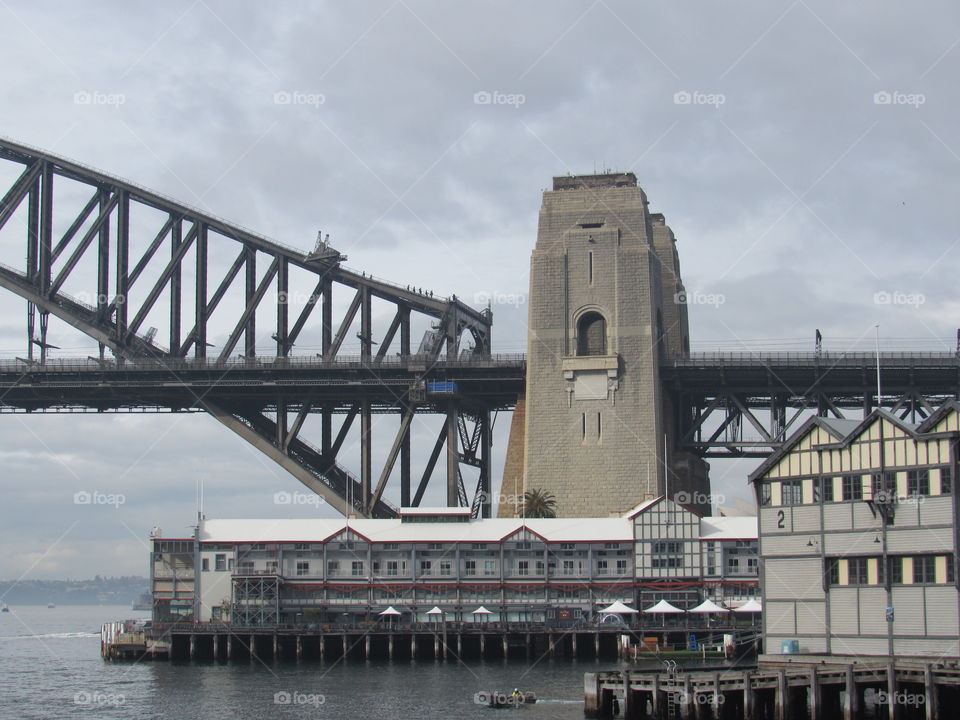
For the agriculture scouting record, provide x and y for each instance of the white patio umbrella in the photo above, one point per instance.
(434, 612)
(708, 606)
(482, 612)
(390, 613)
(751, 606)
(663, 607)
(618, 608)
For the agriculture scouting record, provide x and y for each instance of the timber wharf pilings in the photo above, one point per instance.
(422, 641)
(813, 688)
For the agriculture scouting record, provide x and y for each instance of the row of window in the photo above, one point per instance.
(851, 487)
(522, 545)
(903, 569)
(443, 568)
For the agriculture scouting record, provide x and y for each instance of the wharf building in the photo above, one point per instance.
(859, 537)
(606, 304)
(261, 573)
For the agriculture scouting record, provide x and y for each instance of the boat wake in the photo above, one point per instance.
(50, 636)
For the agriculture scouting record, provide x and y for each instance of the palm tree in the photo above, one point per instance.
(539, 504)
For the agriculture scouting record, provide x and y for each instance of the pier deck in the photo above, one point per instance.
(813, 688)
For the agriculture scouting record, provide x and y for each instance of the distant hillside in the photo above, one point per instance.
(99, 591)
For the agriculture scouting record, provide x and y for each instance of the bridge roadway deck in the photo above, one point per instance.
(848, 378)
(178, 384)
(76, 385)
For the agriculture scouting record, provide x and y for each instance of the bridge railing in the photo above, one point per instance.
(763, 358)
(408, 362)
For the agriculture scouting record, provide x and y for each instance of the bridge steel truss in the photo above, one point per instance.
(138, 264)
(729, 405)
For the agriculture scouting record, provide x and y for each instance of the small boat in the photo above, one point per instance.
(51, 605)
(5, 608)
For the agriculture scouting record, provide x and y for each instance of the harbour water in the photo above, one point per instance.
(50, 667)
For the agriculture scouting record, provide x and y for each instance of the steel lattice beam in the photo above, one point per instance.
(111, 224)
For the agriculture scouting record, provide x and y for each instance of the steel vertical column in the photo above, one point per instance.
(200, 341)
(123, 260)
(103, 261)
(405, 443)
(33, 242)
(366, 448)
(453, 457)
(486, 443)
(46, 229)
(283, 307)
(366, 324)
(327, 316)
(250, 332)
(176, 285)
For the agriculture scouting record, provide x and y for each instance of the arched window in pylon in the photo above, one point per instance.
(591, 334)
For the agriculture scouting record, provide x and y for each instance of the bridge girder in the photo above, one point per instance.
(145, 247)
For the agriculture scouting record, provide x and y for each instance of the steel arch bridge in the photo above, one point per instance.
(135, 271)
(173, 296)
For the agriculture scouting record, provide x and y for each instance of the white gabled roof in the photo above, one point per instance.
(491, 530)
(458, 511)
(728, 528)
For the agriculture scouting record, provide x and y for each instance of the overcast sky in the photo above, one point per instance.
(806, 156)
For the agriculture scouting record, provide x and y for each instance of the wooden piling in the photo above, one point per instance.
(892, 705)
(749, 700)
(688, 703)
(781, 709)
(930, 694)
(657, 699)
(851, 703)
(366, 648)
(815, 695)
